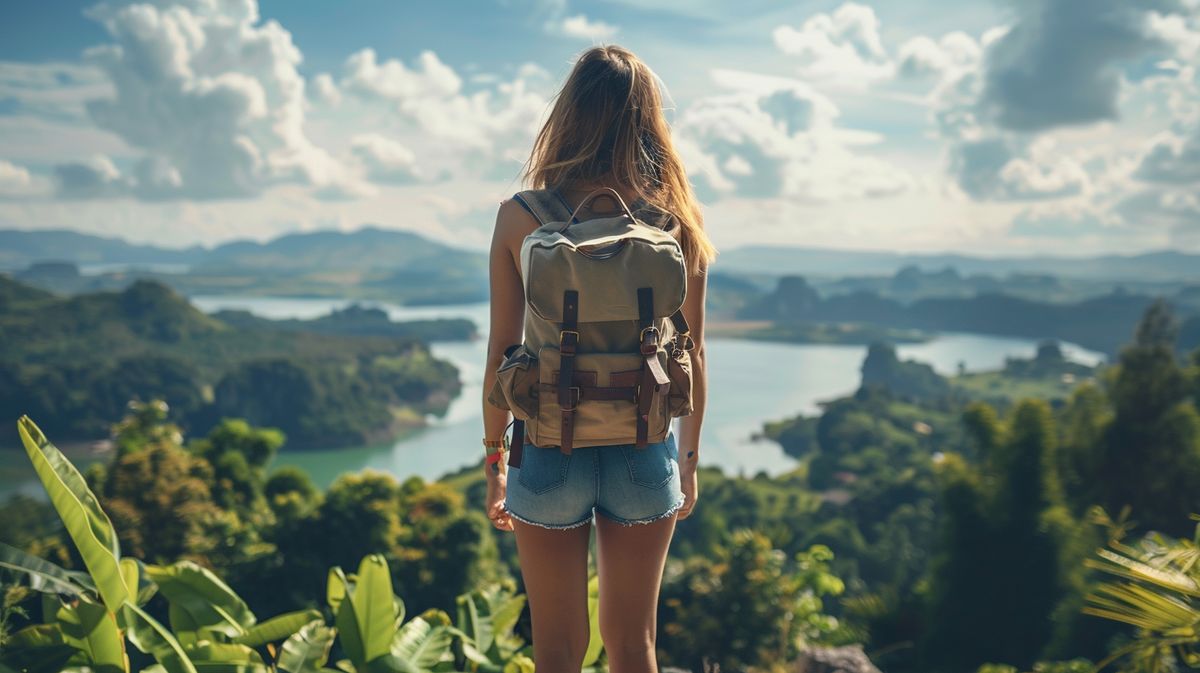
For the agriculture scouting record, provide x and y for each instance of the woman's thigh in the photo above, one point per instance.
(554, 568)
(630, 562)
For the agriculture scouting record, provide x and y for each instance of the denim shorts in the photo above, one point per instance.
(618, 481)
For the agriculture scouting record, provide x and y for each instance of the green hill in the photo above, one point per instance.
(76, 361)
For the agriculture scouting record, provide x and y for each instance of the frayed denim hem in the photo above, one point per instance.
(551, 526)
(650, 519)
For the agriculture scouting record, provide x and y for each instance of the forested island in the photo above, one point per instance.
(347, 379)
(1101, 323)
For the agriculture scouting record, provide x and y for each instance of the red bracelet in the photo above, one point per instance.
(493, 457)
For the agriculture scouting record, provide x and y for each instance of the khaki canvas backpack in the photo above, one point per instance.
(605, 357)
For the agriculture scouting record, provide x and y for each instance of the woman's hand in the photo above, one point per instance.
(497, 486)
(690, 485)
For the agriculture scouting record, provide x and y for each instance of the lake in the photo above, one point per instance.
(750, 382)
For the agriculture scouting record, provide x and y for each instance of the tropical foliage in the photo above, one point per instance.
(91, 617)
(946, 535)
(1156, 590)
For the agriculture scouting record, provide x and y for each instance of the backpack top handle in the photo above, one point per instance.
(603, 192)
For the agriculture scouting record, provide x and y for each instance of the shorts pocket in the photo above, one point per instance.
(652, 466)
(543, 469)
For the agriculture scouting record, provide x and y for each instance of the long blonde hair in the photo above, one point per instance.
(607, 125)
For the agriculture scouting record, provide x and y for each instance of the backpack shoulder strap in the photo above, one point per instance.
(546, 205)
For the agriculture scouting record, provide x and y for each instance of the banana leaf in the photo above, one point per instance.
(349, 633)
(152, 638)
(207, 653)
(200, 600)
(43, 575)
(475, 620)
(277, 628)
(92, 630)
(86, 523)
(421, 644)
(366, 612)
(336, 588)
(137, 580)
(374, 606)
(308, 649)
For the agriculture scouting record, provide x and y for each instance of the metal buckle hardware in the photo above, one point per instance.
(578, 396)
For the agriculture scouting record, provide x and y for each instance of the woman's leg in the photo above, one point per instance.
(554, 566)
(630, 562)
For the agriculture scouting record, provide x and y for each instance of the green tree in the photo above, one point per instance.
(1083, 423)
(239, 455)
(1150, 454)
(747, 605)
(1000, 573)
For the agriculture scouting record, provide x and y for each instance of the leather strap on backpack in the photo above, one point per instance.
(568, 344)
(654, 378)
(683, 332)
(516, 446)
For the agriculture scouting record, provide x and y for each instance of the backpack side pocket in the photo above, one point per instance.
(679, 370)
(516, 384)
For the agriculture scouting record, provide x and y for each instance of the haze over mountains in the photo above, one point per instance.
(373, 247)
(1159, 265)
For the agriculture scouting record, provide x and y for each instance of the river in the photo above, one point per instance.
(750, 382)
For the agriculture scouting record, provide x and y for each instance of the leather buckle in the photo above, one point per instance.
(689, 342)
(651, 328)
(578, 395)
(562, 338)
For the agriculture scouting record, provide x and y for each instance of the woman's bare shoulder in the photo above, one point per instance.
(513, 221)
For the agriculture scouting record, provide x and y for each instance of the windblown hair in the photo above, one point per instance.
(607, 127)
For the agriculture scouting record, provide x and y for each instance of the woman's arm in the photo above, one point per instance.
(507, 304)
(689, 426)
(506, 327)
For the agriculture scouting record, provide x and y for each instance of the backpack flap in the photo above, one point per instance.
(607, 260)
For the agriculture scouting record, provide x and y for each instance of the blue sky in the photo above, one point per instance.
(993, 127)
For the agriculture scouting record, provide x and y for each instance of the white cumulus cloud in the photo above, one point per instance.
(209, 97)
(580, 26)
(384, 159)
(766, 137)
(432, 96)
(16, 181)
(841, 48)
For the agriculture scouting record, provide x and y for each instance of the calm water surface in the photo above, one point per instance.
(750, 382)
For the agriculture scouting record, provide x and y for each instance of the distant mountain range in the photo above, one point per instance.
(368, 248)
(370, 263)
(375, 248)
(1152, 266)
(19, 249)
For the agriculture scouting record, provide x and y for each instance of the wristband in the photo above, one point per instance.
(495, 449)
